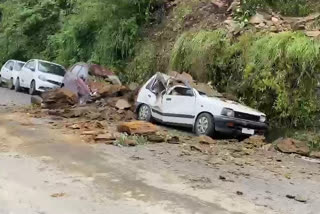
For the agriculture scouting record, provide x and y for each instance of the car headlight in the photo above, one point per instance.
(227, 112)
(263, 119)
(43, 78)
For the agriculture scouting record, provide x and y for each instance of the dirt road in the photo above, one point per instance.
(44, 171)
(50, 169)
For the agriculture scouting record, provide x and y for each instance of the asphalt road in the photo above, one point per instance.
(11, 98)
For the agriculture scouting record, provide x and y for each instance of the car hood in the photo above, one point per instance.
(234, 106)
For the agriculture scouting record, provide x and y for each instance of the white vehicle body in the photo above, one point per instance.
(38, 76)
(181, 105)
(10, 71)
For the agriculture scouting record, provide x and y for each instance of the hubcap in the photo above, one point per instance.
(144, 112)
(203, 125)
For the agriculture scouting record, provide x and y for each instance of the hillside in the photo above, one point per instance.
(264, 52)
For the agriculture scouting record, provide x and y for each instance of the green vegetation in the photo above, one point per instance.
(274, 73)
(67, 31)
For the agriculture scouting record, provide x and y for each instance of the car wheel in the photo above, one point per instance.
(17, 87)
(32, 89)
(10, 84)
(204, 125)
(144, 113)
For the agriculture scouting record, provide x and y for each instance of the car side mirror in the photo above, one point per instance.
(32, 69)
(11, 68)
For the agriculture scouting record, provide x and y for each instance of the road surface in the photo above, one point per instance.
(50, 170)
(11, 98)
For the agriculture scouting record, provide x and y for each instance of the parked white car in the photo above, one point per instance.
(38, 76)
(166, 100)
(10, 71)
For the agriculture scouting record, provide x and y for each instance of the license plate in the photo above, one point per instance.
(248, 131)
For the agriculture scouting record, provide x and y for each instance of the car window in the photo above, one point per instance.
(31, 65)
(76, 69)
(51, 68)
(18, 66)
(9, 64)
(182, 91)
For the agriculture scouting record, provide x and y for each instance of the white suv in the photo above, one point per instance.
(167, 100)
(10, 71)
(38, 76)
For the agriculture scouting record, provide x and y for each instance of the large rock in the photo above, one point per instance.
(59, 98)
(137, 127)
(257, 19)
(289, 145)
(104, 89)
(315, 154)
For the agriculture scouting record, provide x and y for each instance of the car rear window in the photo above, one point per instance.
(51, 68)
(18, 66)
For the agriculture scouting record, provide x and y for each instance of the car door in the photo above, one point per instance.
(26, 74)
(179, 105)
(153, 96)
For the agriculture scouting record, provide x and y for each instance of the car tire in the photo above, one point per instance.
(32, 89)
(204, 125)
(144, 113)
(17, 87)
(10, 84)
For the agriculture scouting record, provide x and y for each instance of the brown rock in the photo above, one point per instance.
(290, 145)
(257, 19)
(256, 141)
(174, 140)
(91, 133)
(206, 140)
(156, 138)
(315, 154)
(104, 89)
(137, 127)
(315, 33)
(274, 19)
(129, 142)
(123, 104)
(59, 98)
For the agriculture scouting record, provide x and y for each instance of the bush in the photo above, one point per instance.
(143, 64)
(277, 74)
(206, 55)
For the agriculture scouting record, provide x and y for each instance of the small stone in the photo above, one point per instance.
(206, 140)
(239, 193)
(290, 196)
(300, 198)
(174, 140)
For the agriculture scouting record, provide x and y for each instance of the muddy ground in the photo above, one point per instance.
(148, 178)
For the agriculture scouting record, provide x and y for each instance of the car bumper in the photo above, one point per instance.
(45, 86)
(234, 126)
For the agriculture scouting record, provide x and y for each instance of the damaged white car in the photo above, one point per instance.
(172, 101)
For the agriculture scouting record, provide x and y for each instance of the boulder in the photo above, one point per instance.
(315, 33)
(289, 145)
(36, 100)
(123, 104)
(137, 127)
(103, 89)
(315, 154)
(257, 19)
(59, 98)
